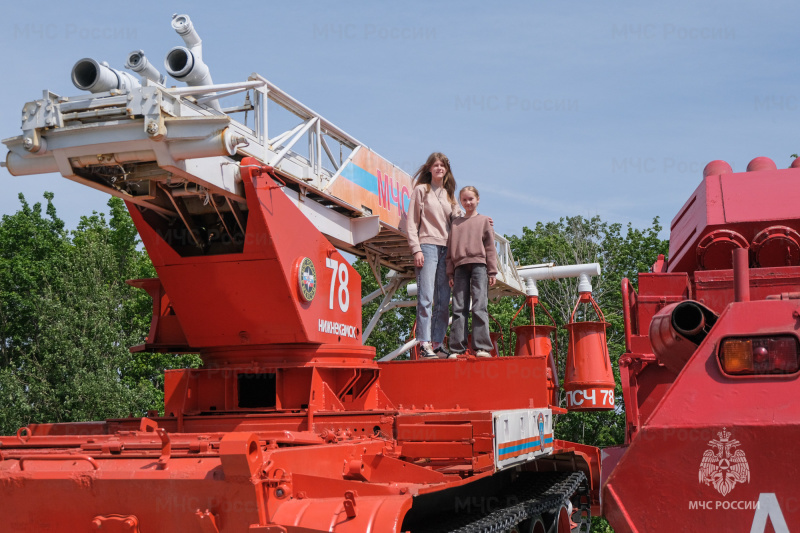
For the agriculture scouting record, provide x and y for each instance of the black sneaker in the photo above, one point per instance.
(441, 352)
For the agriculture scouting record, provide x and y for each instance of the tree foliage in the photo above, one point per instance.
(67, 319)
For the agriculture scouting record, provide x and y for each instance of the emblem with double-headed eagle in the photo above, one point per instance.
(722, 466)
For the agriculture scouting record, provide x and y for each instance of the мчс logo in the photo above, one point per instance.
(307, 279)
(724, 468)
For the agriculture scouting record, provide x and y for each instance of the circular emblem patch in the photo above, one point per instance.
(307, 279)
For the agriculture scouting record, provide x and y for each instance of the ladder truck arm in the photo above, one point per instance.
(176, 152)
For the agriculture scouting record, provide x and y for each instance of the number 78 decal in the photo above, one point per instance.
(343, 278)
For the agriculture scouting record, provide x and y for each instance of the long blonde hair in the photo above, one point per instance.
(423, 175)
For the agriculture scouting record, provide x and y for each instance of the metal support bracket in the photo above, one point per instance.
(207, 521)
(166, 448)
(374, 262)
(38, 115)
(350, 503)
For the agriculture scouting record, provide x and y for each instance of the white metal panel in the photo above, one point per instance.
(522, 435)
(512, 430)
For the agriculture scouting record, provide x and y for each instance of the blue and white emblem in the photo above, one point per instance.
(540, 423)
(307, 279)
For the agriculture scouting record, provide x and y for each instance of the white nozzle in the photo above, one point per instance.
(89, 75)
(584, 284)
(138, 63)
(183, 26)
(530, 287)
(186, 66)
(186, 63)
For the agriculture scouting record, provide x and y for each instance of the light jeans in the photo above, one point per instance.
(470, 278)
(433, 294)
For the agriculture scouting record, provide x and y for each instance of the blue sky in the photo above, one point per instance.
(549, 109)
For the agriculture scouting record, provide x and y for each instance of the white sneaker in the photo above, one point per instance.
(426, 351)
(482, 353)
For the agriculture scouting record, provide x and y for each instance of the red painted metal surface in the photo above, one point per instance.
(262, 302)
(705, 450)
(776, 246)
(588, 377)
(741, 277)
(166, 333)
(536, 341)
(740, 205)
(715, 249)
(702, 403)
(474, 384)
(290, 425)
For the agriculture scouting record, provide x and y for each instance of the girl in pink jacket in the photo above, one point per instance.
(430, 214)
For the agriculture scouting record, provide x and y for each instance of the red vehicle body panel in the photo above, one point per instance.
(708, 447)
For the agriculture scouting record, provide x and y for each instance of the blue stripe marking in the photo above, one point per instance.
(368, 181)
(360, 177)
(519, 447)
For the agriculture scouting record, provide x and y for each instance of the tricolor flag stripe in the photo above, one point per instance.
(518, 442)
(519, 447)
(513, 449)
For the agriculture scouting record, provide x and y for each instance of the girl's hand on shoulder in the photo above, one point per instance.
(491, 222)
(419, 260)
(492, 281)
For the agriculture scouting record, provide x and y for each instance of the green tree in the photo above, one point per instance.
(68, 317)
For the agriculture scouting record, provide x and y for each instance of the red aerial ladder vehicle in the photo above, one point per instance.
(291, 425)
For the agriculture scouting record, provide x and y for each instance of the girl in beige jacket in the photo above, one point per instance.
(430, 213)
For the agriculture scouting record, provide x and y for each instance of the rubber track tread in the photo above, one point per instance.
(536, 494)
